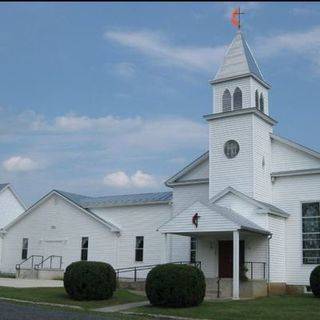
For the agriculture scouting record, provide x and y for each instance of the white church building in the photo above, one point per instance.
(249, 206)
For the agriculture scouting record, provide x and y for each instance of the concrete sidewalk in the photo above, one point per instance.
(30, 283)
(121, 307)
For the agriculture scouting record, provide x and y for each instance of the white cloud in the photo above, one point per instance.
(19, 163)
(132, 132)
(156, 45)
(306, 44)
(73, 122)
(120, 179)
(117, 179)
(142, 180)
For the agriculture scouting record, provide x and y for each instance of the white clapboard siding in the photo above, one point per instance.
(244, 84)
(56, 228)
(207, 253)
(285, 158)
(246, 209)
(10, 207)
(211, 221)
(183, 197)
(255, 85)
(277, 227)
(289, 193)
(199, 172)
(262, 160)
(138, 221)
(236, 172)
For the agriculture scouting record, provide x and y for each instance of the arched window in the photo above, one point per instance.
(237, 99)
(261, 102)
(257, 99)
(226, 101)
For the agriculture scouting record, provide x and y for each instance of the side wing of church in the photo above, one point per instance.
(248, 209)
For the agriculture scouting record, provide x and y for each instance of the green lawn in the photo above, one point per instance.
(58, 295)
(273, 308)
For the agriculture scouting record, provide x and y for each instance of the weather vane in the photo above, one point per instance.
(236, 17)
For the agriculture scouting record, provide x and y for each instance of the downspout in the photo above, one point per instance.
(268, 277)
(2, 235)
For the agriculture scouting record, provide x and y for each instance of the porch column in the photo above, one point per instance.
(236, 262)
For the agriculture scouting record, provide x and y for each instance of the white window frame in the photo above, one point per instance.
(193, 250)
(140, 249)
(302, 233)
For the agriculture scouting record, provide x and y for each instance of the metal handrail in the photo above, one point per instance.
(50, 258)
(252, 264)
(135, 269)
(18, 265)
(218, 287)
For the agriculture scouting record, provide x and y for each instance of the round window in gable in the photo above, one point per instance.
(231, 149)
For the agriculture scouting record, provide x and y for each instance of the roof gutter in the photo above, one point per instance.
(127, 204)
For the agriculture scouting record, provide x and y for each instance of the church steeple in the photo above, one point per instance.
(239, 82)
(239, 61)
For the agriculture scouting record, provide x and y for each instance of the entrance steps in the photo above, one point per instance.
(38, 267)
(248, 289)
(41, 274)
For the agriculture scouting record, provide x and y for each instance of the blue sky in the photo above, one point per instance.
(108, 98)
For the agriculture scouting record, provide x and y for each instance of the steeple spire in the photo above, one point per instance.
(239, 62)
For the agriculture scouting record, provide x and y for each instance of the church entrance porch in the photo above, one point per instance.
(235, 263)
(216, 252)
(216, 227)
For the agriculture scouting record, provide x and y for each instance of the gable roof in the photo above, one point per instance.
(214, 219)
(174, 179)
(4, 186)
(239, 62)
(237, 218)
(118, 200)
(109, 225)
(295, 145)
(267, 207)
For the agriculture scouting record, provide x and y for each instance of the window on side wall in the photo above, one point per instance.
(139, 248)
(24, 253)
(193, 249)
(84, 248)
(311, 232)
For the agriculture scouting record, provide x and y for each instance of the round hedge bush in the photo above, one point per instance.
(89, 280)
(173, 285)
(315, 281)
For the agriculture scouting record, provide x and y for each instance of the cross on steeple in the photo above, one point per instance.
(239, 19)
(236, 17)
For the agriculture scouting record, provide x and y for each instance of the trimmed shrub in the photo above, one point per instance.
(315, 281)
(89, 280)
(173, 285)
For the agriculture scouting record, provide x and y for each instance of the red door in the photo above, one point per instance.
(226, 258)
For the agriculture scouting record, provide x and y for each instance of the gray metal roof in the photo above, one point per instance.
(3, 185)
(118, 200)
(238, 61)
(235, 217)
